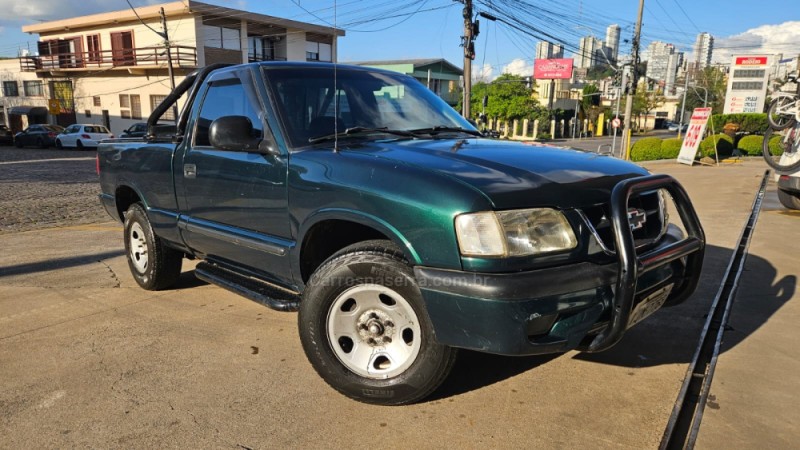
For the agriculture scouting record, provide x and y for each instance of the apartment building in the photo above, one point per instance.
(112, 68)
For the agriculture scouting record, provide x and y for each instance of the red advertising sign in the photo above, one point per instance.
(694, 134)
(751, 61)
(552, 69)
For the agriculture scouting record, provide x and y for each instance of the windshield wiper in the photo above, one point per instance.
(445, 129)
(360, 130)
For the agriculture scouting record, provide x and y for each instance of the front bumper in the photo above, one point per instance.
(579, 305)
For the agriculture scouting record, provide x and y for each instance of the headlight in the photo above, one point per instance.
(514, 233)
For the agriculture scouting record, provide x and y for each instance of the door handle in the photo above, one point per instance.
(189, 171)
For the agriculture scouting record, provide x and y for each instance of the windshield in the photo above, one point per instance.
(305, 99)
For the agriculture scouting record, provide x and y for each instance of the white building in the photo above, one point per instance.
(663, 62)
(587, 55)
(548, 50)
(703, 50)
(612, 41)
(111, 69)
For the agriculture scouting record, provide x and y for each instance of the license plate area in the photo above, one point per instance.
(649, 305)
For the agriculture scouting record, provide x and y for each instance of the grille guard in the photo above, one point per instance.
(631, 265)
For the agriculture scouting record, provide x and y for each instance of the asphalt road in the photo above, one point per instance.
(90, 360)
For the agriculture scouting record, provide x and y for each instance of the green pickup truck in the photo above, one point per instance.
(399, 232)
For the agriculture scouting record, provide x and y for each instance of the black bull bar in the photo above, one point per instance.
(632, 266)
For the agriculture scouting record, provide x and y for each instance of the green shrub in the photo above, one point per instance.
(670, 148)
(646, 149)
(748, 122)
(751, 145)
(775, 146)
(724, 145)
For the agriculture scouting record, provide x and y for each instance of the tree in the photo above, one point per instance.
(712, 79)
(646, 101)
(509, 98)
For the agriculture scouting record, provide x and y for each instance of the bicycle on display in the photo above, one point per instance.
(782, 139)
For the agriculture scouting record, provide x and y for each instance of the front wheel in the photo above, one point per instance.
(79, 145)
(780, 114)
(153, 265)
(780, 149)
(365, 329)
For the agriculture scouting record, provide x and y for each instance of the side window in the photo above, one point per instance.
(226, 98)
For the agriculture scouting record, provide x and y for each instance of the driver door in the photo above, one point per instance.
(235, 202)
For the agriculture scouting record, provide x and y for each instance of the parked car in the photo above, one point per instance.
(6, 136)
(401, 234)
(675, 126)
(82, 135)
(139, 130)
(39, 135)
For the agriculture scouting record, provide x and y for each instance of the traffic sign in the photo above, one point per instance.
(615, 123)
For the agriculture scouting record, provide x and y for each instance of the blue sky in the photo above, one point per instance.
(386, 29)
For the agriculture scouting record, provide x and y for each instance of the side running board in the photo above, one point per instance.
(256, 290)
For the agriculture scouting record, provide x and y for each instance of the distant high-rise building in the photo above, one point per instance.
(548, 50)
(612, 41)
(703, 49)
(662, 64)
(588, 52)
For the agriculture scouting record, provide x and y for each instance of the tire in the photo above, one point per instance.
(789, 146)
(59, 145)
(780, 121)
(79, 145)
(153, 265)
(789, 199)
(385, 353)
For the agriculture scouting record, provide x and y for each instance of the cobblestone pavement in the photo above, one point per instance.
(47, 188)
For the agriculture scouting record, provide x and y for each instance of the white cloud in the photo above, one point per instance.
(768, 39)
(519, 67)
(484, 74)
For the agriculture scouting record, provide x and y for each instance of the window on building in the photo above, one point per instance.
(156, 100)
(122, 52)
(317, 51)
(261, 49)
(228, 98)
(10, 89)
(125, 113)
(33, 88)
(136, 107)
(124, 101)
(87, 113)
(221, 37)
(93, 48)
(96, 100)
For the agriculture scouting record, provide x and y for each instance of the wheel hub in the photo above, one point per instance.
(375, 327)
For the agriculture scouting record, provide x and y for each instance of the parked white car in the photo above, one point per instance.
(82, 135)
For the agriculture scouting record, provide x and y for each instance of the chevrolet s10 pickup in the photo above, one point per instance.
(359, 198)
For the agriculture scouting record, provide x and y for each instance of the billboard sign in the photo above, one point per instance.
(694, 134)
(552, 69)
(747, 84)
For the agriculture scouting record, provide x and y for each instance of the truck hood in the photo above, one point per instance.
(511, 174)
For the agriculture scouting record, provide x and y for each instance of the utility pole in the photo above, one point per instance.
(634, 80)
(165, 35)
(467, 41)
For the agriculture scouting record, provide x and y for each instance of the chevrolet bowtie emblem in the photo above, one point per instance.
(637, 218)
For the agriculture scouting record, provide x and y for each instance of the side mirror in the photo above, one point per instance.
(235, 133)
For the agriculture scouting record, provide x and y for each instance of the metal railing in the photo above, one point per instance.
(182, 56)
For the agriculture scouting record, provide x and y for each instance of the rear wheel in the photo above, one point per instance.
(59, 145)
(789, 199)
(780, 149)
(365, 329)
(153, 265)
(779, 116)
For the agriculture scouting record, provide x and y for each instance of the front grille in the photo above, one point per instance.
(651, 230)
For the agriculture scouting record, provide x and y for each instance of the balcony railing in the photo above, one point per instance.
(254, 58)
(130, 57)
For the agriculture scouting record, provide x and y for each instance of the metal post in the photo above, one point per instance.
(632, 91)
(683, 105)
(169, 60)
(616, 116)
(575, 120)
